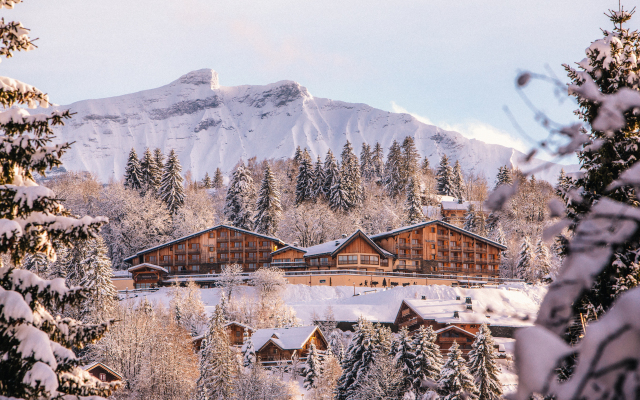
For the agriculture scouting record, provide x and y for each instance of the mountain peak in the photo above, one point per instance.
(204, 76)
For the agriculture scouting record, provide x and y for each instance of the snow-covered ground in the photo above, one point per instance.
(512, 305)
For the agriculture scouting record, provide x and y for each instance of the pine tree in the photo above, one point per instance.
(318, 180)
(331, 173)
(392, 171)
(159, 157)
(377, 160)
(351, 181)
(504, 176)
(456, 383)
(219, 364)
(171, 186)
(410, 158)
(37, 263)
(240, 199)
(218, 180)
(426, 168)
(413, 204)
(543, 261)
(526, 260)
(103, 296)
(484, 367)
(249, 357)
(298, 156)
(305, 180)
(403, 354)
(150, 173)
(458, 182)
(428, 360)
(36, 356)
(312, 368)
(206, 182)
(367, 169)
(268, 207)
(357, 360)
(133, 172)
(470, 219)
(445, 177)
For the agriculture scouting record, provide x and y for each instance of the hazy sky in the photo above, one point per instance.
(451, 62)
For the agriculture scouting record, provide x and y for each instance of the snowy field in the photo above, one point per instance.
(513, 305)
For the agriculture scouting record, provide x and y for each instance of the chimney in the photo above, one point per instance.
(455, 314)
(468, 300)
(457, 297)
(469, 307)
(389, 228)
(337, 243)
(344, 235)
(424, 297)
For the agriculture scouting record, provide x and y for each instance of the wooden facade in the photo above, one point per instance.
(102, 372)
(238, 332)
(441, 248)
(357, 252)
(207, 251)
(272, 352)
(455, 213)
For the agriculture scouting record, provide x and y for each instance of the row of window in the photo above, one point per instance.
(342, 260)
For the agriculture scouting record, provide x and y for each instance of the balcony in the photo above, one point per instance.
(223, 239)
(288, 264)
(180, 251)
(236, 249)
(194, 251)
(408, 323)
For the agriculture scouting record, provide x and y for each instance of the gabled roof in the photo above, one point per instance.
(93, 365)
(239, 324)
(333, 247)
(454, 328)
(284, 338)
(454, 205)
(288, 247)
(397, 231)
(147, 265)
(442, 311)
(233, 228)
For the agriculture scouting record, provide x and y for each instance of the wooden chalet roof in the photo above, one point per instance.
(289, 247)
(93, 365)
(394, 232)
(333, 247)
(147, 265)
(284, 338)
(233, 228)
(454, 328)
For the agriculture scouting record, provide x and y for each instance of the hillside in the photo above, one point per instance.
(214, 126)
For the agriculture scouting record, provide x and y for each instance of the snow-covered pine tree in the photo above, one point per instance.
(426, 167)
(339, 198)
(312, 368)
(102, 298)
(410, 159)
(159, 157)
(456, 383)
(543, 262)
(297, 157)
(206, 182)
(428, 359)
(37, 263)
(351, 180)
(357, 359)
(218, 179)
(221, 365)
(444, 176)
(172, 187)
(458, 182)
(483, 366)
(151, 173)
(525, 268)
(404, 356)
(133, 171)
(331, 173)
(249, 357)
(367, 170)
(377, 160)
(202, 392)
(240, 199)
(305, 179)
(392, 171)
(318, 180)
(413, 203)
(470, 219)
(504, 176)
(268, 207)
(36, 356)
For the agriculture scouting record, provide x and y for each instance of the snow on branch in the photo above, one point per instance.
(14, 37)
(14, 91)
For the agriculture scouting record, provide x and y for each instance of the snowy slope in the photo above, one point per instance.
(515, 306)
(214, 126)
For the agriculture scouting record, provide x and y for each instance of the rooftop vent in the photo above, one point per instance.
(456, 315)
(344, 235)
(296, 243)
(467, 300)
(457, 297)
(469, 307)
(389, 228)
(424, 297)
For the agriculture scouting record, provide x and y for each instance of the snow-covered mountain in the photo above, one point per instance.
(214, 126)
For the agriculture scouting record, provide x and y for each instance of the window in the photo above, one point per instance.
(433, 246)
(180, 257)
(195, 257)
(433, 256)
(103, 377)
(415, 241)
(283, 260)
(323, 281)
(195, 246)
(252, 255)
(403, 241)
(416, 252)
(223, 235)
(299, 260)
(170, 248)
(222, 245)
(324, 261)
(433, 230)
(401, 263)
(237, 333)
(347, 259)
(251, 244)
(265, 254)
(166, 258)
(403, 252)
(237, 255)
(265, 244)
(252, 266)
(266, 265)
(440, 232)
(195, 268)
(212, 249)
(237, 234)
(492, 256)
(212, 259)
(237, 245)
(371, 260)
(212, 234)
(181, 247)
(151, 258)
(224, 256)
(417, 232)
(314, 261)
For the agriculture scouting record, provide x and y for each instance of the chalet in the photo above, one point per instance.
(452, 333)
(356, 251)
(454, 212)
(236, 332)
(439, 314)
(437, 247)
(280, 344)
(102, 372)
(203, 252)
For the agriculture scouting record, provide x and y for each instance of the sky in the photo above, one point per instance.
(450, 63)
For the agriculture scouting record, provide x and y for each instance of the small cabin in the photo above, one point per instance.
(102, 372)
(452, 333)
(146, 275)
(238, 332)
(439, 314)
(281, 344)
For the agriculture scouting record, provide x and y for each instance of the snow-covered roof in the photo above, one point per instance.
(147, 265)
(240, 324)
(442, 311)
(397, 231)
(454, 205)
(91, 366)
(334, 246)
(455, 328)
(233, 228)
(289, 247)
(284, 338)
